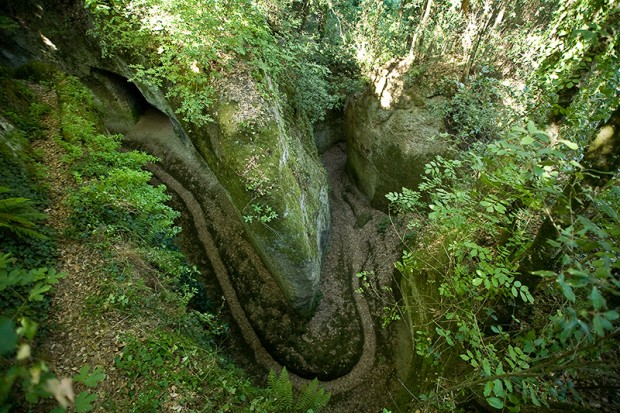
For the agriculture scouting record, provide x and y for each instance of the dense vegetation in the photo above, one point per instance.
(519, 234)
(516, 236)
(118, 216)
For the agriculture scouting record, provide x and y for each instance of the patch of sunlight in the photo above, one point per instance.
(362, 53)
(389, 82)
(48, 42)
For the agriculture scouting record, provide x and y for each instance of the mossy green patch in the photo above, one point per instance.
(278, 187)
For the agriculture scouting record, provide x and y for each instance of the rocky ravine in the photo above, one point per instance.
(342, 334)
(341, 342)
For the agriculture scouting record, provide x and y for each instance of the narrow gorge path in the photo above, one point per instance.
(351, 249)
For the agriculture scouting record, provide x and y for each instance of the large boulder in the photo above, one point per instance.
(271, 169)
(392, 132)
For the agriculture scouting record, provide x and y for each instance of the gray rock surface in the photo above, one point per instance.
(388, 145)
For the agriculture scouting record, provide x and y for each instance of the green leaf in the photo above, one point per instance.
(587, 34)
(83, 402)
(566, 289)
(598, 302)
(569, 144)
(498, 388)
(544, 273)
(495, 402)
(611, 315)
(487, 389)
(36, 294)
(527, 140)
(525, 295)
(8, 336)
(486, 367)
(601, 324)
(89, 379)
(28, 328)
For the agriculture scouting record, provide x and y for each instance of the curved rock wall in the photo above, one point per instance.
(265, 164)
(266, 161)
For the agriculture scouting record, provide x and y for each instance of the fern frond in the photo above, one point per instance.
(24, 220)
(22, 217)
(11, 204)
(282, 390)
(24, 232)
(18, 216)
(312, 398)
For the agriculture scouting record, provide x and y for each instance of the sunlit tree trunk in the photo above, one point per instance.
(480, 35)
(465, 7)
(420, 29)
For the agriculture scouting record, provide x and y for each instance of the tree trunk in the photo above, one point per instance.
(465, 7)
(479, 36)
(420, 29)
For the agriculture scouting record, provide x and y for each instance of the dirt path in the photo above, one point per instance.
(75, 338)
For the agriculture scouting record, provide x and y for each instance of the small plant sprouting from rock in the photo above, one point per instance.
(260, 186)
(261, 213)
(391, 311)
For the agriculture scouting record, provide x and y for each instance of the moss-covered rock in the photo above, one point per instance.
(274, 177)
(389, 143)
(266, 163)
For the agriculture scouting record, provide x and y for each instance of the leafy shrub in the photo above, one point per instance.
(168, 369)
(114, 197)
(123, 203)
(487, 215)
(36, 71)
(18, 366)
(476, 112)
(19, 106)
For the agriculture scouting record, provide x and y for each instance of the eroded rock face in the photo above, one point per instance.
(268, 166)
(274, 178)
(390, 140)
(329, 131)
(272, 173)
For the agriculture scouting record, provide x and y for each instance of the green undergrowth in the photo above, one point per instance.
(171, 338)
(175, 362)
(28, 255)
(26, 242)
(21, 172)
